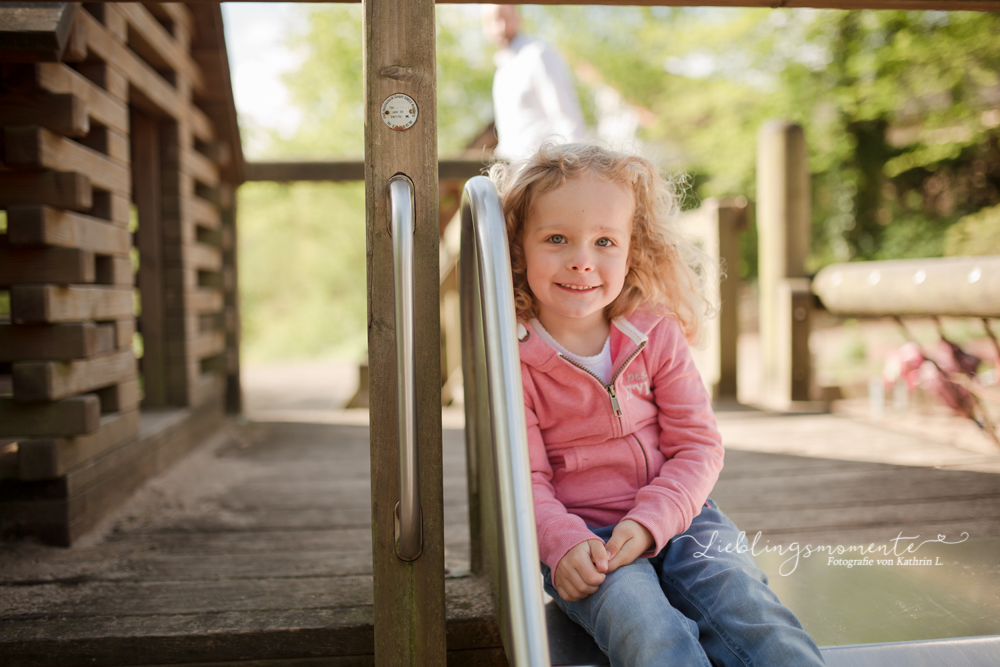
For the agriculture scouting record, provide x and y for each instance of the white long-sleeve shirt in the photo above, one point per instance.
(533, 99)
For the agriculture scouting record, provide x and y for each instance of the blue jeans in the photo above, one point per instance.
(681, 609)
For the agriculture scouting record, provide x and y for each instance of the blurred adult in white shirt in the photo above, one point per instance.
(533, 95)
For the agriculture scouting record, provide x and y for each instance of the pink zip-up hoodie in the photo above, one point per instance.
(645, 447)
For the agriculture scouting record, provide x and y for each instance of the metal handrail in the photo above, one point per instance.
(489, 339)
(409, 534)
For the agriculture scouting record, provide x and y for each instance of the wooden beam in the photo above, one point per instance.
(399, 57)
(44, 225)
(202, 212)
(114, 207)
(148, 195)
(32, 146)
(114, 271)
(124, 331)
(35, 304)
(200, 167)
(20, 265)
(941, 286)
(52, 380)
(122, 397)
(146, 81)
(52, 458)
(32, 33)
(110, 142)
(783, 214)
(203, 257)
(76, 44)
(207, 345)
(937, 5)
(344, 170)
(62, 113)
(60, 342)
(76, 415)
(108, 77)
(102, 106)
(230, 315)
(53, 188)
(157, 46)
(111, 15)
(173, 11)
(204, 300)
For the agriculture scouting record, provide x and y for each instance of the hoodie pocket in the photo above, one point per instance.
(579, 459)
(593, 475)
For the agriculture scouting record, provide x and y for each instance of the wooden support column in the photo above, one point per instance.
(231, 316)
(783, 223)
(399, 57)
(146, 183)
(716, 227)
(731, 220)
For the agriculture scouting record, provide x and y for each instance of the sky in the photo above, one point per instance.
(257, 59)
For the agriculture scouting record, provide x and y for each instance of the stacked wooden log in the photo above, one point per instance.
(117, 216)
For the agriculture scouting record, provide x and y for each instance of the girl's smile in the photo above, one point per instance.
(576, 247)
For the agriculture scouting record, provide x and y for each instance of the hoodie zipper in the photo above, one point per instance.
(610, 387)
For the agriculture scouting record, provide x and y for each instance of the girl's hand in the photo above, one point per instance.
(629, 540)
(581, 570)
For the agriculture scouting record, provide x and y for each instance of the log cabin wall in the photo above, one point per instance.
(120, 158)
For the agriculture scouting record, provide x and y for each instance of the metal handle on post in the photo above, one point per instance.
(408, 523)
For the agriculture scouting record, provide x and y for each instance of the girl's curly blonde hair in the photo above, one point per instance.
(666, 272)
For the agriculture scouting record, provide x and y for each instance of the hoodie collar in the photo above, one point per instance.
(627, 334)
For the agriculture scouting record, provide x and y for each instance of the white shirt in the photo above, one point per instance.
(533, 99)
(599, 364)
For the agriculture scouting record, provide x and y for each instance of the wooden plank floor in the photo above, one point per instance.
(257, 547)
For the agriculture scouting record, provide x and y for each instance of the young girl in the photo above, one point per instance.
(623, 443)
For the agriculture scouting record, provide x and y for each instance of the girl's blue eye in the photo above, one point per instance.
(556, 238)
(604, 242)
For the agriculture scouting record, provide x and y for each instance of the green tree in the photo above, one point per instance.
(900, 108)
(302, 261)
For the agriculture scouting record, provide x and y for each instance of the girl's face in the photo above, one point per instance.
(576, 246)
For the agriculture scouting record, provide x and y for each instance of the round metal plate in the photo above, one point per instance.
(399, 111)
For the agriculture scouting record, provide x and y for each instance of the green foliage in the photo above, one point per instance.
(302, 270)
(903, 134)
(976, 234)
(464, 78)
(328, 87)
(302, 247)
(896, 106)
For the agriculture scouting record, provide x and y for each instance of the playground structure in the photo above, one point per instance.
(120, 143)
(104, 102)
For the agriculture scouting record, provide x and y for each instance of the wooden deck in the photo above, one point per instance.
(257, 547)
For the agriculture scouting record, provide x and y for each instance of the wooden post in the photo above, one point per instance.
(716, 226)
(399, 58)
(732, 220)
(149, 239)
(783, 222)
(231, 317)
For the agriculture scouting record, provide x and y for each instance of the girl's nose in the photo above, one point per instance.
(581, 261)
